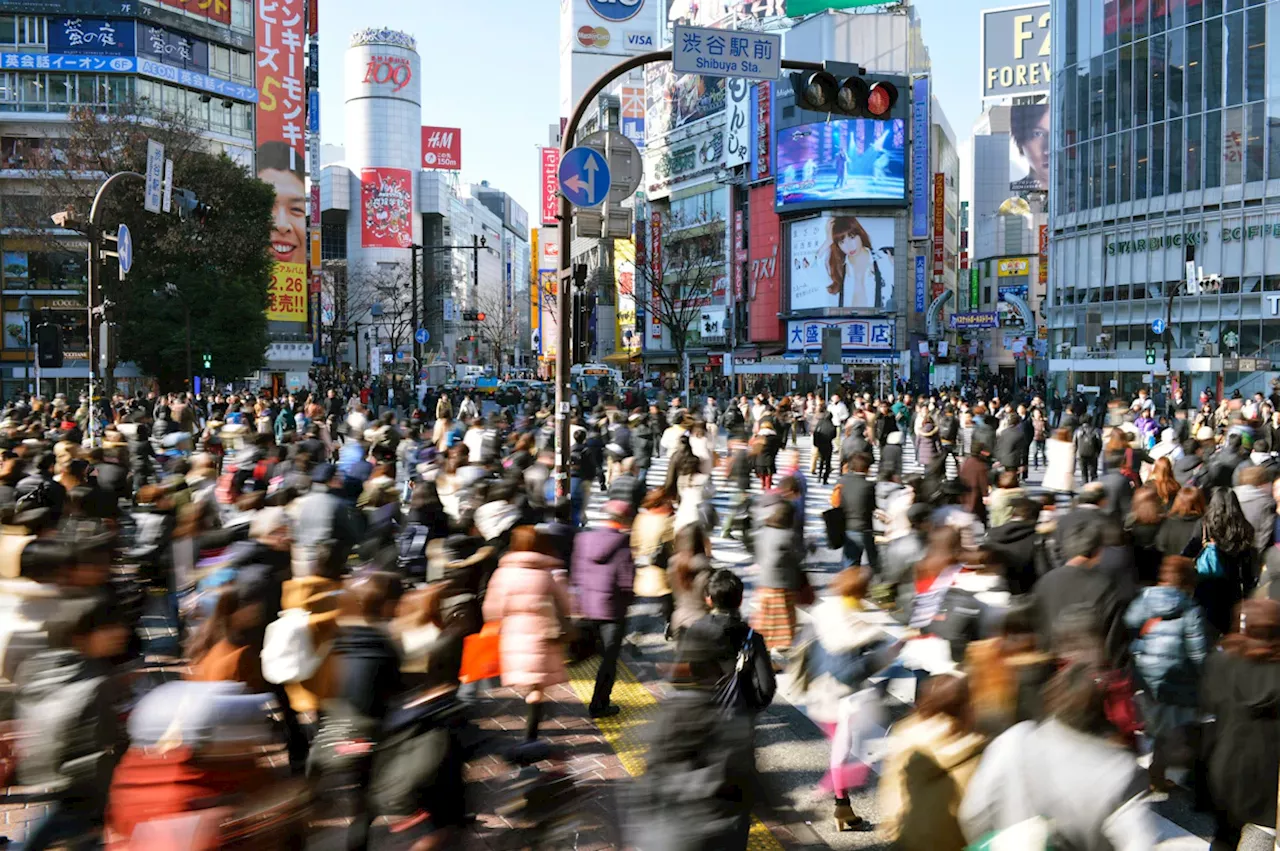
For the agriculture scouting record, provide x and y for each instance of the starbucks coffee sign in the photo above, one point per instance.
(1156, 243)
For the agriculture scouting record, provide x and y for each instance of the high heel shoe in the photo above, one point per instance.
(846, 818)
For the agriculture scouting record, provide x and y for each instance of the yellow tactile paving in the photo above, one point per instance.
(624, 734)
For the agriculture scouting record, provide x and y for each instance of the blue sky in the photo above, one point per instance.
(491, 67)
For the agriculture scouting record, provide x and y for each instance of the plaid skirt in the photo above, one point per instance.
(775, 617)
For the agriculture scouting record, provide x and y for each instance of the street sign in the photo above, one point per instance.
(124, 249)
(1157, 326)
(166, 203)
(422, 335)
(584, 177)
(626, 169)
(151, 200)
(726, 53)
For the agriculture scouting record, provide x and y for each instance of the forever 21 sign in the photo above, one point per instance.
(389, 69)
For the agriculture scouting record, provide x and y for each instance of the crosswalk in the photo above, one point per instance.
(1179, 827)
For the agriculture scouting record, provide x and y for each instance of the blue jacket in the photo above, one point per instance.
(1169, 643)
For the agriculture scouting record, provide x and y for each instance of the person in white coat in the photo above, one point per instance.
(1060, 466)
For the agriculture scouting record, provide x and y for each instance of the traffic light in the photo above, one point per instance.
(845, 89)
(208, 360)
(108, 345)
(1151, 355)
(472, 316)
(49, 340)
(190, 207)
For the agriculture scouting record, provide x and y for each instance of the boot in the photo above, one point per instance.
(846, 818)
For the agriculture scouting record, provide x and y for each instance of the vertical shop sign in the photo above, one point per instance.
(1042, 274)
(920, 159)
(655, 274)
(739, 254)
(550, 185)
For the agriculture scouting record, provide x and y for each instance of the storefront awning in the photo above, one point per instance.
(620, 357)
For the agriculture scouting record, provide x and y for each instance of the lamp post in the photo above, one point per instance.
(26, 305)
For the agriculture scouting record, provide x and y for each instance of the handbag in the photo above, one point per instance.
(480, 654)
(833, 519)
(805, 595)
(1208, 564)
(739, 689)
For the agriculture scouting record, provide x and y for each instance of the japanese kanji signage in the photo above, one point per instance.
(281, 160)
(655, 274)
(855, 334)
(63, 62)
(726, 53)
(939, 229)
(173, 48)
(91, 36)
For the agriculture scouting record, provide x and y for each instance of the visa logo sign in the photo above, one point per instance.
(640, 41)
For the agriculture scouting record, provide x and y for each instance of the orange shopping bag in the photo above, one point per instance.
(480, 654)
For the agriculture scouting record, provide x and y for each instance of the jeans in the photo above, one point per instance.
(1089, 469)
(857, 542)
(578, 492)
(1038, 457)
(611, 634)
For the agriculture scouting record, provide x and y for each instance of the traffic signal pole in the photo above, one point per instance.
(564, 298)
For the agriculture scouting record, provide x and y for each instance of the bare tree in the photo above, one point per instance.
(675, 286)
(378, 298)
(500, 330)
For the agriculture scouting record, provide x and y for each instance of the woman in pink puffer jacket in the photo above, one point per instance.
(530, 599)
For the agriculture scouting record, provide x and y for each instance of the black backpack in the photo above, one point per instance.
(1090, 441)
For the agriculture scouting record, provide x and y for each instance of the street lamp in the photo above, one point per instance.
(26, 305)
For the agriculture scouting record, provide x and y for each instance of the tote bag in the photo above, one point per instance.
(480, 654)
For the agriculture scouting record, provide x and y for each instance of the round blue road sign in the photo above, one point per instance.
(124, 248)
(422, 335)
(1157, 326)
(584, 177)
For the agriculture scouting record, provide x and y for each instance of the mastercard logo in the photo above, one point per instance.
(593, 37)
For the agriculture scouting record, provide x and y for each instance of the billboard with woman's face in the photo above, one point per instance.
(842, 261)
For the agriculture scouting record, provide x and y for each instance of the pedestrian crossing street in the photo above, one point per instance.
(1179, 827)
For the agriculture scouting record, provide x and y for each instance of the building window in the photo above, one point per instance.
(219, 60)
(1195, 70)
(32, 31)
(242, 67)
(1255, 152)
(1235, 57)
(242, 15)
(1194, 153)
(1214, 149)
(1157, 160)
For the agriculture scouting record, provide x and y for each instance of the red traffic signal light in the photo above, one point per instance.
(881, 98)
(479, 317)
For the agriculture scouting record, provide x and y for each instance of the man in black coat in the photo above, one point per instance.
(858, 499)
(1017, 548)
(1066, 595)
(1012, 446)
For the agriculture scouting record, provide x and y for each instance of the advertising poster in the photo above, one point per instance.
(855, 334)
(842, 262)
(632, 123)
(920, 158)
(764, 275)
(1013, 267)
(91, 37)
(281, 141)
(1029, 147)
(974, 286)
(442, 148)
(1015, 51)
(386, 208)
(624, 276)
(674, 100)
(550, 185)
(847, 161)
(1009, 317)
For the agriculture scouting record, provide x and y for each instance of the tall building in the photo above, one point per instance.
(56, 56)
(1166, 202)
(400, 231)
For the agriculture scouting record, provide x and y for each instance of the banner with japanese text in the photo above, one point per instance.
(281, 143)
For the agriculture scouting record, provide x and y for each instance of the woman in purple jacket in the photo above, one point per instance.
(603, 575)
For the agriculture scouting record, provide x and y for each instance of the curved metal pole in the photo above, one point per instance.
(95, 276)
(565, 293)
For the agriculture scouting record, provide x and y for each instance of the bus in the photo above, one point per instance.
(595, 376)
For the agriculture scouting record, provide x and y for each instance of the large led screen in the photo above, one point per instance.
(841, 162)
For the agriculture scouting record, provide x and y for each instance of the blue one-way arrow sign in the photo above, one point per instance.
(584, 177)
(124, 249)
(1157, 326)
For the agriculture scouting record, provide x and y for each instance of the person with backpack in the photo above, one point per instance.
(68, 722)
(1088, 443)
(1169, 648)
(824, 435)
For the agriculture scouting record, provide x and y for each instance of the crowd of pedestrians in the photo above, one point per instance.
(204, 579)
